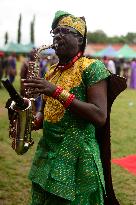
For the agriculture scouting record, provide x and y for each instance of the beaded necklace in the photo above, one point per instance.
(64, 67)
(68, 65)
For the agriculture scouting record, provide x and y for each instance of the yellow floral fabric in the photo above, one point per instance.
(67, 161)
(68, 79)
(74, 22)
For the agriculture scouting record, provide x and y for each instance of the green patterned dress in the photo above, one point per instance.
(67, 160)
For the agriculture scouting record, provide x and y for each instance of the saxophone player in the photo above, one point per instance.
(71, 165)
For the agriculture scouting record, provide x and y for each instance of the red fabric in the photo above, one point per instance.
(128, 163)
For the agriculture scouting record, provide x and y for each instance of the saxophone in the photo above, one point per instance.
(21, 110)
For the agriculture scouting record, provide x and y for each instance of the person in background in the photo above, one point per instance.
(111, 66)
(72, 161)
(1, 68)
(53, 60)
(133, 74)
(12, 67)
(118, 66)
(5, 65)
(24, 73)
(125, 69)
(43, 66)
(105, 60)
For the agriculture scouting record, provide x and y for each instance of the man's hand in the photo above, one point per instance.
(39, 86)
(38, 121)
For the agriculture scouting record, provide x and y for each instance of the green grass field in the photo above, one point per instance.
(14, 185)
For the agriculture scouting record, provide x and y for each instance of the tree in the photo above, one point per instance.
(32, 34)
(100, 37)
(6, 38)
(19, 29)
(97, 37)
(131, 38)
(117, 39)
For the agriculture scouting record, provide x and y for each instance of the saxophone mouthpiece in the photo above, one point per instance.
(55, 46)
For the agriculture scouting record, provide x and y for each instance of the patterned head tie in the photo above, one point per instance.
(65, 19)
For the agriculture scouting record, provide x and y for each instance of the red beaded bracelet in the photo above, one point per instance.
(69, 100)
(57, 92)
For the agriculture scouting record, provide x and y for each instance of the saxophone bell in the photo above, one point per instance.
(23, 109)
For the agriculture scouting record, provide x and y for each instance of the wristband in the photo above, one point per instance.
(69, 100)
(63, 96)
(57, 92)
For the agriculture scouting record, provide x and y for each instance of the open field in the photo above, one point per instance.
(14, 185)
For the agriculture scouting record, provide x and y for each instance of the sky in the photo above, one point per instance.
(114, 17)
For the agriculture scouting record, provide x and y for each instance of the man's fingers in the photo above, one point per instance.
(33, 85)
(38, 91)
(39, 80)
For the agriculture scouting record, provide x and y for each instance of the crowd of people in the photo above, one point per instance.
(8, 67)
(122, 67)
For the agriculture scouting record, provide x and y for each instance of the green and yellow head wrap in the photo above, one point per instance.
(65, 19)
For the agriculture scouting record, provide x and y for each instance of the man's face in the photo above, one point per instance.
(67, 40)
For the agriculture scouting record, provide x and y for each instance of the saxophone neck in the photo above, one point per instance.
(37, 52)
(44, 47)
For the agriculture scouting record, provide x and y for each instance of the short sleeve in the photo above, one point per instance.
(94, 73)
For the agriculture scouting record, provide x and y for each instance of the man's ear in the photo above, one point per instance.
(80, 40)
(83, 18)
